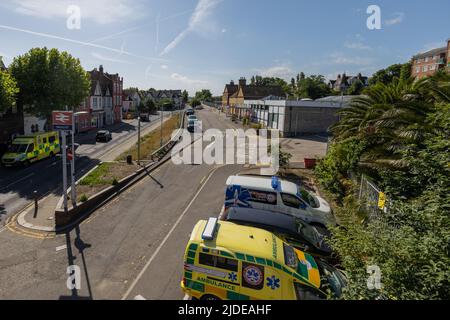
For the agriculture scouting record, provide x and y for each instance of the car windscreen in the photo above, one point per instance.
(332, 280)
(307, 232)
(307, 197)
(18, 148)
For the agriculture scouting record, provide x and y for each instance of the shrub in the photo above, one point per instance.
(83, 198)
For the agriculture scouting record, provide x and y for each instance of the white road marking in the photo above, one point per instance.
(167, 237)
(139, 297)
(64, 246)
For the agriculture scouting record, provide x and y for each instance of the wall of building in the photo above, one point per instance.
(309, 120)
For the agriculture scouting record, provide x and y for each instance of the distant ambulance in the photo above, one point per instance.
(226, 261)
(25, 150)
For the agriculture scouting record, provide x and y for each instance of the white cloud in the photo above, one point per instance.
(224, 30)
(202, 11)
(399, 17)
(164, 66)
(99, 11)
(338, 58)
(283, 72)
(357, 45)
(180, 78)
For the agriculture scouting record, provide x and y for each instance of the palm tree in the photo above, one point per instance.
(388, 117)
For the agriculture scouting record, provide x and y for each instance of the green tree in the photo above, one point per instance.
(356, 88)
(185, 96)
(387, 75)
(312, 87)
(8, 90)
(204, 95)
(148, 106)
(49, 80)
(195, 102)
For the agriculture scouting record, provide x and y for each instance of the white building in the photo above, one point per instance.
(294, 117)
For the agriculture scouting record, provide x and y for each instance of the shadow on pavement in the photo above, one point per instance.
(81, 246)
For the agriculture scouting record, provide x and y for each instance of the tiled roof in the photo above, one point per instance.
(430, 53)
(231, 88)
(257, 92)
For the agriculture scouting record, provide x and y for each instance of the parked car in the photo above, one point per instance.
(192, 117)
(277, 195)
(189, 112)
(103, 135)
(193, 125)
(290, 229)
(199, 107)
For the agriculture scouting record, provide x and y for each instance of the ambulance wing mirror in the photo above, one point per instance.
(210, 229)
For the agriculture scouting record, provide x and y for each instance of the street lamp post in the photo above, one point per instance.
(161, 129)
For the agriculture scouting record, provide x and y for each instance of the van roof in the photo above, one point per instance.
(261, 183)
(238, 238)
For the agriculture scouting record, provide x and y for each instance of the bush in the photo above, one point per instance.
(332, 171)
(114, 182)
(83, 198)
(410, 245)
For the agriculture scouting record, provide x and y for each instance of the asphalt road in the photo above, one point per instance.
(132, 246)
(17, 184)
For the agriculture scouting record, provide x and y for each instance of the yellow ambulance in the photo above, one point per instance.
(28, 149)
(226, 261)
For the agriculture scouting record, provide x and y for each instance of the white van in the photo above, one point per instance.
(277, 195)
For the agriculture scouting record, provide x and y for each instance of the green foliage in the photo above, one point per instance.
(195, 102)
(83, 198)
(49, 80)
(204, 95)
(96, 177)
(333, 169)
(185, 96)
(355, 89)
(8, 90)
(312, 87)
(386, 76)
(148, 106)
(410, 245)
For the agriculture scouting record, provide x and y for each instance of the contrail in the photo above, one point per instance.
(45, 35)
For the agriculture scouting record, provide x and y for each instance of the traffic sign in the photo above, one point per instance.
(62, 120)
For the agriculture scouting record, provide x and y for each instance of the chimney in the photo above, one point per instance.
(232, 82)
(101, 68)
(242, 82)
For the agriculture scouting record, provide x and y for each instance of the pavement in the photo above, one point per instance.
(308, 146)
(43, 218)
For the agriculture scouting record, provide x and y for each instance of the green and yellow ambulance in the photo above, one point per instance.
(227, 261)
(28, 149)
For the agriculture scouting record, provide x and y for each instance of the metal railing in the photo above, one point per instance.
(161, 152)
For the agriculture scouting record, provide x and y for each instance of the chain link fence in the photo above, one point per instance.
(373, 199)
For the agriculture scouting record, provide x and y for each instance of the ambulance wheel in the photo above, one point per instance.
(209, 297)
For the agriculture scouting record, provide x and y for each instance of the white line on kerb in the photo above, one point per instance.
(166, 237)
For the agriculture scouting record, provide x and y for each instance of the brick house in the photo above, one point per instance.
(103, 106)
(428, 63)
(234, 96)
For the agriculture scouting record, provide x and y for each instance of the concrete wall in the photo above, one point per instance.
(307, 120)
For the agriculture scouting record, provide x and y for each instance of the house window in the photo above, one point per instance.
(94, 102)
(425, 68)
(417, 69)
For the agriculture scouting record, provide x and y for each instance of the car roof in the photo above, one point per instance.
(263, 217)
(102, 131)
(238, 238)
(262, 183)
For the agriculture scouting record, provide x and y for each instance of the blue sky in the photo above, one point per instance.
(194, 44)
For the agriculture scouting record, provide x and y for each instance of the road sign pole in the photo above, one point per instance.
(64, 164)
(72, 167)
(139, 141)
